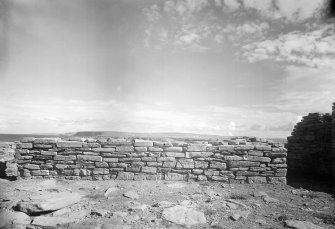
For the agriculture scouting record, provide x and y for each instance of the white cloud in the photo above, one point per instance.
(232, 4)
(314, 48)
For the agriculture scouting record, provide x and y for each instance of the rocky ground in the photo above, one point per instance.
(161, 204)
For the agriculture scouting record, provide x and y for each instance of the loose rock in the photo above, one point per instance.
(301, 224)
(184, 215)
(131, 194)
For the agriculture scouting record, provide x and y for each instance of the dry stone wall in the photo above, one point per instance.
(232, 161)
(309, 147)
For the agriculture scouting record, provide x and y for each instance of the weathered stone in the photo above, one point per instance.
(101, 164)
(185, 164)
(140, 149)
(217, 165)
(183, 215)
(149, 169)
(69, 144)
(21, 145)
(297, 224)
(260, 159)
(66, 158)
(201, 178)
(53, 222)
(154, 164)
(174, 176)
(31, 166)
(275, 154)
(234, 164)
(174, 149)
(155, 149)
(163, 144)
(148, 159)
(124, 148)
(125, 176)
(170, 164)
(277, 180)
(201, 164)
(131, 194)
(257, 180)
(229, 148)
(198, 154)
(197, 147)
(89, 158)
(256, 153)
(49, 153)
(98, 171)
(160, 159)
(10, 219)
(105, 150)
(233, 158)
(278, 160)
(175, 154)
(39, 172)
(110, 159)
(244, 147)
(44, 202)
(197, 171)
(211, 172)
(262, 147)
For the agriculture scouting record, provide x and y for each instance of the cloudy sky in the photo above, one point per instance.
(227, 67)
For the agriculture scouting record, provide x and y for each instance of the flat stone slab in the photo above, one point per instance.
(10, 218)
(131, 194)
(183, 215)
(48, 202)
(48, 221)
(301, 224)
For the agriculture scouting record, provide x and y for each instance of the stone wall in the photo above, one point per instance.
(309, 147)
(232, 161)
(8, 167)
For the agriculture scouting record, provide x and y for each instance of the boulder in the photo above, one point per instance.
(48, 202)
(10, 218)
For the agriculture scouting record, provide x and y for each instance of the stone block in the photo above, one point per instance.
(280, 172)
(89, 158)
(101, 164)
(49, 153)
(125, 176)
(197, 171)
(140, 149)
(124, 148)
(197, 147)
(219, 178)
(279, 149)
(155, 149)
(201, 178)
(148, 159)
(262, 147)
(110, 159)
(236, 164)
(39, 172)
(61, 166)
(256, 153)
(133, 168)
(24, 145)
(169, 164)
(246, 173)
(198, 154)
(43, 146)
(174, 149)
(160, 159)
(257, 180)
(149, 169)
(163, 144)
(211, 172)
(175, 154)
(229, 148)
(260, 159)
(154, 164)
(212, 148)
(143, 143)
(185, 164)
(91, 145)
(69, 144)
(104, 150)
(100, 171)
(31, 166)
(174, 177)
(65, 158)
(217, 165)
(201, 164)
(278, 160)
(233, 158)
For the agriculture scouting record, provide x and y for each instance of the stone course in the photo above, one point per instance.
(239, 160)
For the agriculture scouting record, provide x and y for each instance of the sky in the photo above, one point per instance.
(225, 67)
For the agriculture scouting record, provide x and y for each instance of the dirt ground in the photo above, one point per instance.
(219, 202)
